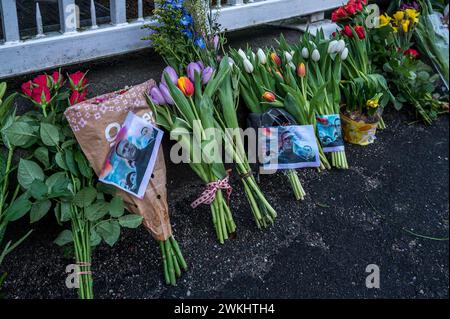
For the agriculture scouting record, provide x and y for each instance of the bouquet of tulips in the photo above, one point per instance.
(185, 109)
(323, 61)
(259, 81)
(299, 101)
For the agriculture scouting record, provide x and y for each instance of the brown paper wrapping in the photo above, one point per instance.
(95, 123)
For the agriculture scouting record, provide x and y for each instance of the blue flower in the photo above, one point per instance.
(186, 20)
(188, 33)
(199, 42)
(176, 4)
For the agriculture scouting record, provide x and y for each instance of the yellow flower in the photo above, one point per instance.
(395, 29)
(405, 25)
(413, 15)
(399, 15)
(375, 101)
(384, 20)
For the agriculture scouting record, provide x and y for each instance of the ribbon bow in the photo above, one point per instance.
(209, 193)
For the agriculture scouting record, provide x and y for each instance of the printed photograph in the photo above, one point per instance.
(131, 160)
(289, 147)
(330, 133)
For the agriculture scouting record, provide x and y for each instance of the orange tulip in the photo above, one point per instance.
(275, 58)
(186, 86)
(301, 70)
(269, 97)
(279, 74)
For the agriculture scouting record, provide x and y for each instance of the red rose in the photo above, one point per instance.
(41, 80)
(77, 97)
(78, 80)
(41, 95)
(27, 88)
(347, 31)
(360, 32)
(413, 53)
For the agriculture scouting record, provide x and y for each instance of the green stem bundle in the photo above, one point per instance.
(173, 260)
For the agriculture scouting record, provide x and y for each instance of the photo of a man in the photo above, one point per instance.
(330, 132)
(131, 160)
(289, 147)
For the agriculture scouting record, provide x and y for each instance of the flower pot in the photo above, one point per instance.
(359, 129)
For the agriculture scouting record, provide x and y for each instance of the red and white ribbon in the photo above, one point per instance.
(209, 193)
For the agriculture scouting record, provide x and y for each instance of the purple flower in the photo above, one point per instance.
(191, 69)
(156, 96)
(200, 64)
(166, 94)
(207, 74)
(216, 42)
(172, 74)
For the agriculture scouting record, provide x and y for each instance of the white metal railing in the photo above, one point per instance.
(73, 44)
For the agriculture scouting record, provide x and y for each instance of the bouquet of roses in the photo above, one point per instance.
(259, 83)
(185, 109)
(55, 174)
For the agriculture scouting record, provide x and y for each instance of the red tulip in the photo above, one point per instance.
(413, 53)
(186, 86)
(269, 97)
(360, 32)
(275, 58)
(41, 80)
(347, 31)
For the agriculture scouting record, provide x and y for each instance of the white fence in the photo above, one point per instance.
(74, 44)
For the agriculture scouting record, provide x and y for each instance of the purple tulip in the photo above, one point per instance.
(166, 94)
(191, 69)
(216, 42)
(157, 96)
(200, 64)
(207, 74)
(172, 74)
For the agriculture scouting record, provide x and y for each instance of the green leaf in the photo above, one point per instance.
(109, 231)
(116, 207)
(130, 221)
(49, 134)
(56, 181)
(65, 212)
(85, 197)
(28, 172)
(94, 238)
(19, 133)
(64, 238)
(39, 210)
(68, 143)
(2, 166)
(41, 154)
(60, 161)
(97, 210)
(83, 166)
(17, 209)
(38, 189)
(70, 162)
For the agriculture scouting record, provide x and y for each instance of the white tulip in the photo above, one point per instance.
(253, 55)
(344, 54)
(305, 53)
(315, 55)
(242, 54)
(291, 65)
(332, 47)
(340, 46)
(248, 66)
(261, 56)
(288, 56)
(231, 62)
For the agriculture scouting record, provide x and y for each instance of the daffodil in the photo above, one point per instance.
(405, 25)
(399, 15)
(413, 15)
(384, 20)
(375, 101)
